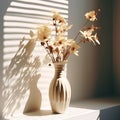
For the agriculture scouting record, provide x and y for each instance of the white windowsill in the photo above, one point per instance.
(84, 110)
(70, 114)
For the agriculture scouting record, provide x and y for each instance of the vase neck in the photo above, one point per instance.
(60, 69)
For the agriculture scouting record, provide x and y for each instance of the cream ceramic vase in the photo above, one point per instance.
(60, 90)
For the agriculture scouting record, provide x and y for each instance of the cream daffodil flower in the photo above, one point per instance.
(91, 15)
(54, 38)
(44, 32)
(58, 17)
(74, 48)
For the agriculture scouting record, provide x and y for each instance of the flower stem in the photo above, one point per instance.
(66, 54)
(84, 24)
(55, 25)
(52, 56)
(79, 30)
(77, 35)
(81, 41)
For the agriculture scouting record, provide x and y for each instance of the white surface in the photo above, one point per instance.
(97, 104)
(83, 110)
(70, 114)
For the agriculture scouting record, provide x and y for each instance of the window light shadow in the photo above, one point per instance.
(24, 62)
(20, 74)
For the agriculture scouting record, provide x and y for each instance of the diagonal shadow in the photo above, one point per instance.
(22, 75)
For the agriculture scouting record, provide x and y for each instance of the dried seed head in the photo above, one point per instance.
(42, 43)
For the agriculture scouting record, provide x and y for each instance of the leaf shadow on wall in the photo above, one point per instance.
(22, 75)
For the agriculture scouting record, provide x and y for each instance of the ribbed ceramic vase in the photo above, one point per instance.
(60, 90)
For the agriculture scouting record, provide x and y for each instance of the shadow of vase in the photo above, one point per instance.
(22, 75)
(34, 100)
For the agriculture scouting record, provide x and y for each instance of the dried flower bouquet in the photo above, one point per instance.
(54, 40)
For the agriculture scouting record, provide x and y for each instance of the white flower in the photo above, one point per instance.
(89, 36)
(91, 15)
(60, 42)
(64, 27)
(58, 17)
(87, 33)
(44, 32)
(57, 45)
(95, 37)
(74, 48)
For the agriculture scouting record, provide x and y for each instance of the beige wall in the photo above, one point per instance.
(96, 72)
(82, 70)
(116, 45)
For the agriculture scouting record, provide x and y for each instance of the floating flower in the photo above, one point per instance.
(91, 15)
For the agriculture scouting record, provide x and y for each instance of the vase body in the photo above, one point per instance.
(60, 90)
